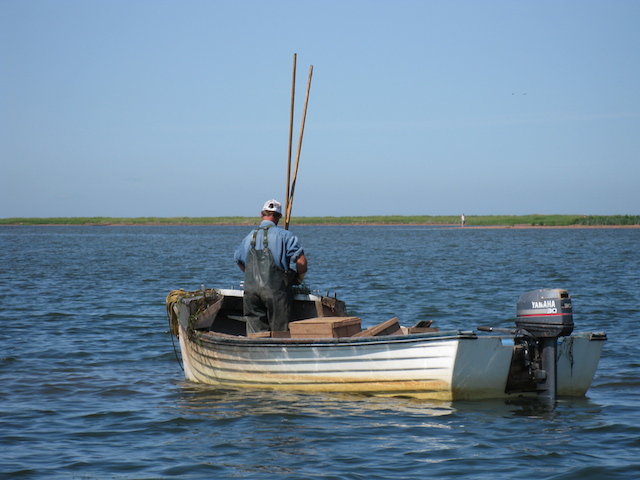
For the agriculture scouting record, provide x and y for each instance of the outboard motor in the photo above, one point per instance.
(546, 314)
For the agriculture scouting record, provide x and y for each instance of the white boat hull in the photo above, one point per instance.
(443, 366)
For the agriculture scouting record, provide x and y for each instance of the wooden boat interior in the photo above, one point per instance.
(314, 316)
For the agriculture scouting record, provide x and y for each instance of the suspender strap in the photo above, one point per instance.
(265, 239)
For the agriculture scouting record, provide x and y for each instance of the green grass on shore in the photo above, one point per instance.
(480, 220)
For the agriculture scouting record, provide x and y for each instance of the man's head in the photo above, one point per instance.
(272, 208)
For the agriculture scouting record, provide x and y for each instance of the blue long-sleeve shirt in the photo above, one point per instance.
(283, 244)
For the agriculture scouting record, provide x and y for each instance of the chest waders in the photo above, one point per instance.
(268, 292)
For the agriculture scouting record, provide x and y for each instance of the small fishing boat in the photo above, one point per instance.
(327, 350)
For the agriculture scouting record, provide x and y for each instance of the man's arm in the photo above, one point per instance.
(301, 269)
(301, 265)
(240, 256)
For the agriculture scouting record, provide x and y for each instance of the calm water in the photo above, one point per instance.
(91, 389)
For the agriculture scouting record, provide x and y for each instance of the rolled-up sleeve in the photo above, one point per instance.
(294, 251)
(240, 256)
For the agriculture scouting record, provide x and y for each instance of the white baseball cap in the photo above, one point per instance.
(272, 205)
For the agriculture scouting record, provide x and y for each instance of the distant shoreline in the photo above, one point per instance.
(293, 225)
(468, 227)
(536, 221)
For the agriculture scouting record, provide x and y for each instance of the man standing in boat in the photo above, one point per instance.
(272, 261)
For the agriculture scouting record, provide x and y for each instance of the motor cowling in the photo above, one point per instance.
(545, 313)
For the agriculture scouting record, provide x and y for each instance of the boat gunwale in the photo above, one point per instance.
(222, 338)
(212, 337)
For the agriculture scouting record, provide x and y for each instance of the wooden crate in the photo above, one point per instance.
(323, 327)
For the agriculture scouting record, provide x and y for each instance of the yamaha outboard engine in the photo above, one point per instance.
(546, 314)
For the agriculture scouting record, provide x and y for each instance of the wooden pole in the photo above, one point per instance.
(295, 171)
(293, 96)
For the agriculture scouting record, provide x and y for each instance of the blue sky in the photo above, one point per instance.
(181, 108)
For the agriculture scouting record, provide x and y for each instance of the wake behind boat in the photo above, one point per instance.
(326, 350)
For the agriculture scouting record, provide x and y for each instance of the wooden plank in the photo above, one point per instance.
(422, 330)
(270, 335)
(206, 318)
(390, 327)
(259, 335)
